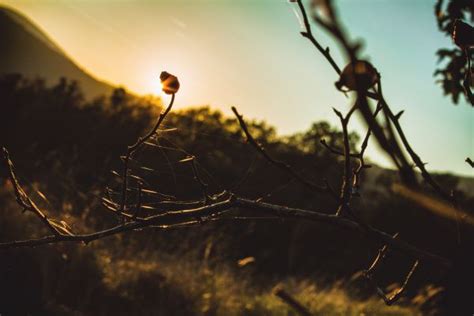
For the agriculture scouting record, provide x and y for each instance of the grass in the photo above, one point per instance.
(225, 290)
(116, 277)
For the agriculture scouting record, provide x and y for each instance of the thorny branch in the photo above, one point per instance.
(25, 202)
(183, 215)
(280, 164)
(173, 218)
(309, 35)
(388, 143)
(391, 147)
(393, 150)
(363, 227)
(369, 275)
(346, 189)
(362, 164)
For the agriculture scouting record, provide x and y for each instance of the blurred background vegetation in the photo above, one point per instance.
(64, 148)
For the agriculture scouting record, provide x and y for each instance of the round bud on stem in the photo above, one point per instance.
(169, 83)
(359, 75)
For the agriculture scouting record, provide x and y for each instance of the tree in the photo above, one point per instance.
(455, 77)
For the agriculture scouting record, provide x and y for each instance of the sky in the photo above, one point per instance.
(249, 54)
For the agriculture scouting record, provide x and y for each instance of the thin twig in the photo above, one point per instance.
(309, 35)
(345, 195)
(362, 164)
(467, 78)
(199, 180)
(291, 301)
(246, 175)
(470, 162)
(138, 207)
(280, 164)
(391, 149)
(397, 294)
(336, 151)
(22, 198)
(405, 167)
(218, 208)
(368, 274)
(131, 150)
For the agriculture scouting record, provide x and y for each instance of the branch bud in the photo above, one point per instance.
(169, 83)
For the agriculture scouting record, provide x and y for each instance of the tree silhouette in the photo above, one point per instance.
(455, 77)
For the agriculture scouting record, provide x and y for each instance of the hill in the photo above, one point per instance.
(27, 50)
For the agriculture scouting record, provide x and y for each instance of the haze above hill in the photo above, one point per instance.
(29, 51)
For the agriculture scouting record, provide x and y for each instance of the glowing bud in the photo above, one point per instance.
(169, 83)
(358, 75)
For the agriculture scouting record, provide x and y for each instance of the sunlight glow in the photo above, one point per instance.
(159, 90)
(251, 68)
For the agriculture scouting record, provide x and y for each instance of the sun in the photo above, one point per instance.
(158, 88)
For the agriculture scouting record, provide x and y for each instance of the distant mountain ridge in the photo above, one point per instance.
(27, 50)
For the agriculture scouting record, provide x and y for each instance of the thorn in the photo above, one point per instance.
(189, 158)
(337, 112)
(399, 114)
(470, 162)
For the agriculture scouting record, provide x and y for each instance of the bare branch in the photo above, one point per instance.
(310, 215)
(414, 156)
(309, 35)
(392, 298)
(291, 301)
(470, 162)
(24, 201)
(216, 209)
(391, 148)
(280, 164)
(199, 180)
(131, 150)
(368, 274)
(468, 77)
(164, 219)
(138, 207)
(362, 164)
(345, 195)
(335, 151)
(227, 206)
(334, 28)
(367, 229)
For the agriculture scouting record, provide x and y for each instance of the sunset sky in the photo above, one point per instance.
(248, 54)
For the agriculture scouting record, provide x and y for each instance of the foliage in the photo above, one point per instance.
(454, 68)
